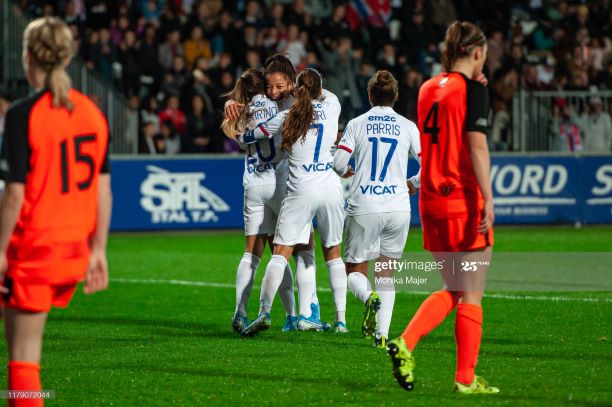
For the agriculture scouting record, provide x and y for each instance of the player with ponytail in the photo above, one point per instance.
(309, 131)
(56, 206)
(456, 205)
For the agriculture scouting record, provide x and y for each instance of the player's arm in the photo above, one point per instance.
(414, 182)
(344, 151)
(476, 124)
(96, 277)
(14, 162)
(263, 131)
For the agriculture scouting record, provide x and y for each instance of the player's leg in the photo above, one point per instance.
(330, 217)
(256, 229)
(431, 312)
(392, 242)
(24, 334)
(305, 267)
(285, 292)
(468, 321)
(293, 227)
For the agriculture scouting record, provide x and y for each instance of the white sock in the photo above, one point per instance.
(337, 282)
(305, 273)
(306, 282)
(360, 286)
(386, 292)
(271, 281)
(285, 291)
(245, 275)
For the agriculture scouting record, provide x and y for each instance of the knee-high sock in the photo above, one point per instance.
(468, 333)
(386, 292)
(430, 314)
(337, 282)
(305, 270)
(271, 281)
(360, 286)
(286, 291)
(306, 283)
(245, 275)
(24, 376)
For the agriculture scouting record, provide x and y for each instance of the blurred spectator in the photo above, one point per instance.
(504, 87)
(196, 46)
(131, 123)
(170, 142)
(597, 128)
(173, 113)
(410, 83)
(130, 66)
(201, 127)
(170, 49)
(564, 128)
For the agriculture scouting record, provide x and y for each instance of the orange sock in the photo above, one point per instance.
(24, 376)
(430, 314)
(468, 333)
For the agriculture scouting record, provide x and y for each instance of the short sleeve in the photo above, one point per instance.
(477, 114)
(347, 142)
(15, 152)
(415, 142)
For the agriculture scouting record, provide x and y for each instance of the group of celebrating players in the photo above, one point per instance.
(288, 126)
(55, 209)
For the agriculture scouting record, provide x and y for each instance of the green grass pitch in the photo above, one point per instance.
(157, 343)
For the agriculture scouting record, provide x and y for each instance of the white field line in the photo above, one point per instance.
(325, 289)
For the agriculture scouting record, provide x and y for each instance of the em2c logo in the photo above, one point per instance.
(179, 197)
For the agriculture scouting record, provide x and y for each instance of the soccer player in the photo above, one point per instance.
(55, 210)
(279, 77)
(456, 205)
(309, 131)
(378, 214)
(264, 181)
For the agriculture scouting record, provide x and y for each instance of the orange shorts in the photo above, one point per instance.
(454, 234)
(36, 297)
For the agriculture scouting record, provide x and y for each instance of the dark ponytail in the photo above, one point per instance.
(461, 39)
(301, 114)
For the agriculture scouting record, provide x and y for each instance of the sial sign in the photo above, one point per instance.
(179, 197)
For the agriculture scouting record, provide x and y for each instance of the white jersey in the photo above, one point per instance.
(265, 163)
(380, 141)
(311, 162)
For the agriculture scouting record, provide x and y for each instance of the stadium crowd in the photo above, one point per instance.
(175, 59)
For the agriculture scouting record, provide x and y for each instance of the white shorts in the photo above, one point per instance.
(295, 219)
(261, 207)
(373, 235)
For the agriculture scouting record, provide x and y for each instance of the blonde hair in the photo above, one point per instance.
(249, 84)
(49, 42)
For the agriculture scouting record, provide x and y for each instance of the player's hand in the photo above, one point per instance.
(233, 109)
(412, 190)
(3, 268)
(488, 217)
(349, 172)
(96, 278)
(482, 79)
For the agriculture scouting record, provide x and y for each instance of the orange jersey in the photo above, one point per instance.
(57, 155)
(449, 106)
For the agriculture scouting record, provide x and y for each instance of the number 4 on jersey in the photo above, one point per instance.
(433, 129)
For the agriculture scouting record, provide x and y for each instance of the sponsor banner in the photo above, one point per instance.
(177, 194)
(536, 189)
(207, 193)
(596, 184)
